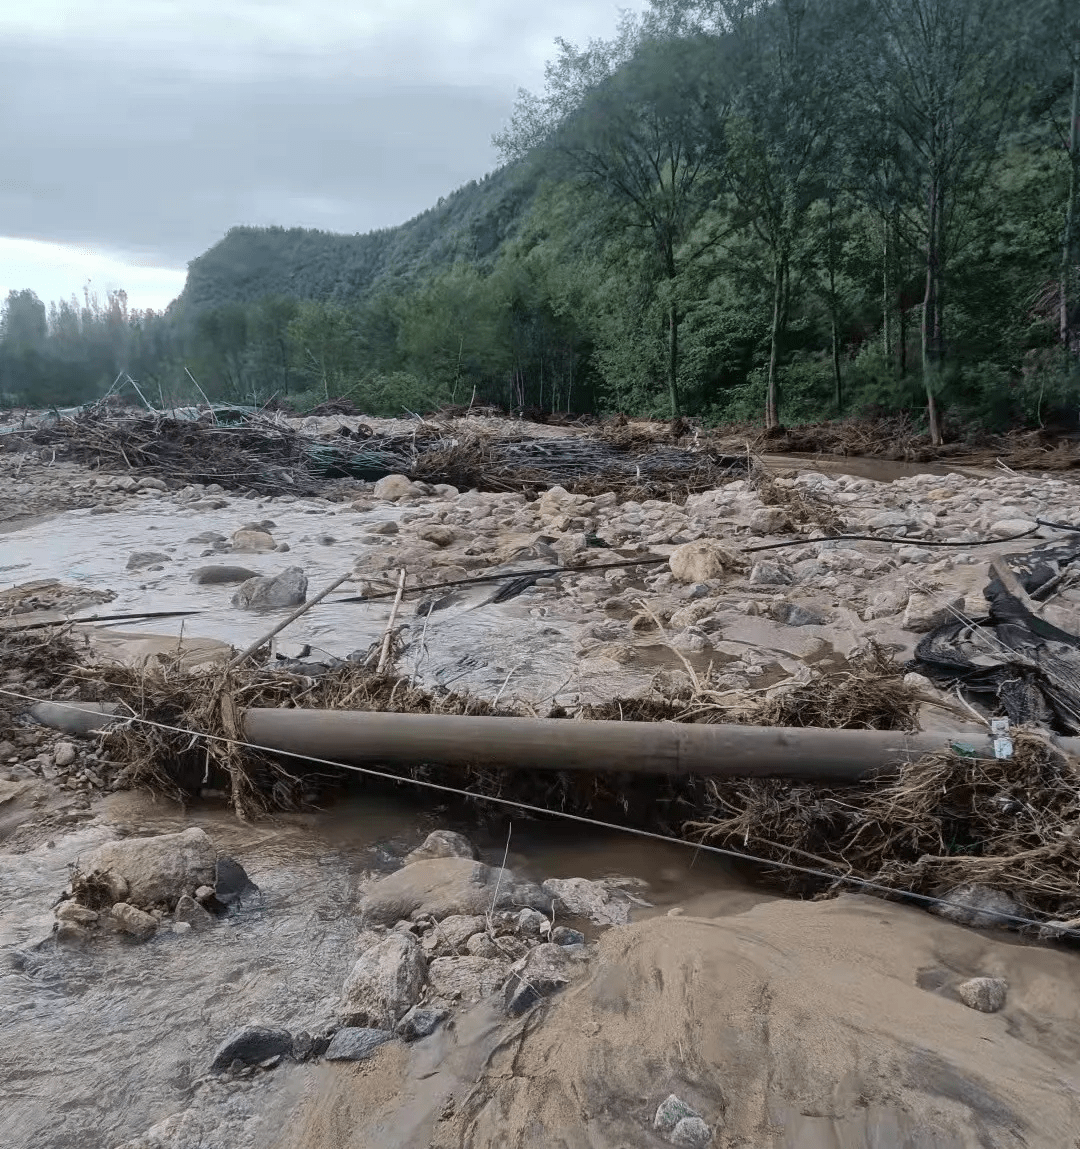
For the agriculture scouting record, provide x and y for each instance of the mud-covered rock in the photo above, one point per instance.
(385, 983)
(700, 561)
(451, 934)
(979, 906)
(394, 487)
(986, 994)
(468, 979)
(221, 575)
(593, 900)
(131, 920)
(247, 541)
(442, 844)
(544, 971)
(157, 871)
(143, 560)
(769, 574)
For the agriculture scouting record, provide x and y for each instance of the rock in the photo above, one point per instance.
(1004, 528)
(221, 576)
(700, 561)
(986, 994)
(211, 537)
(64, 755)
(140, 560)
(247, 541)
(440, 887)
(439, 535)
(159, 870)
(7, 750)
(979, 906)
(888, 520)
(469, 979)
(181, 928)
(670, 1112)
(134, 921)
(420, 1022)
(593, 900)
(691, 1132)
(190, 912)
(442, 844)
(769, 574)
(795, 614)
(385, 983)
(204, 894)
(565, 936)
(770, 521)
(252, 1045)
(543, 972)
(388, 527)
(272, 592)
(356, 1044)
(151, 484)
(927, 612)
(231, 883)
(530, 922)
(453, 932)
(446, 491)
(482, 945)
(393, 487)
(885, 604)
(73, 912)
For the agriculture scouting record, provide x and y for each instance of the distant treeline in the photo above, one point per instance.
(733, 209)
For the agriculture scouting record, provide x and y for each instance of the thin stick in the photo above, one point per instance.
(202, 393)
(384, 653)
(303, 609)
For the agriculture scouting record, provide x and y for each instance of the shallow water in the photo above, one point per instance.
(99, 1042)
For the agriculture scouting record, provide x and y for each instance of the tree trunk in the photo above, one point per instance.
(1070, 247)
(838, 379)
(772, 401)
(931, 310)
(673, 358)
(886, 295)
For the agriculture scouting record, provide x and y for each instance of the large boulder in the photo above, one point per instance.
(272, 592)
(385, 983)
(700, 561)
(440, 887)
(157, 871)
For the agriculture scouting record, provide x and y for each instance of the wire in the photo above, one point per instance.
(581, 819)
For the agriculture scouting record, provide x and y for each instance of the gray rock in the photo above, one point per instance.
(252, 1045)
(1005, 528)
(272, 592)
(593, 900)
(469, 979)
(770, 521)
(385, 983)
(986, 994)
(438, 888)
(888, 520)
(211, 537)
(979, 906)
(670, 1112)
(221, 576)
(482, 945)
(158, 870)
(544, 971)
(530, 922)
(564, 936)
(442, 844)
(150, 484)
(795, 614)
(64, 755)
(140, 560)
(131, 920)
(387, 527)
(189, 911)
(420, 1022)
(356, 1044)
(691, 1132)
(451, 934)
(252, 541)
(768, 574)
(927, 612)
(73, 912)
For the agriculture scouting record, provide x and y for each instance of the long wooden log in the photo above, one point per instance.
(358, 737)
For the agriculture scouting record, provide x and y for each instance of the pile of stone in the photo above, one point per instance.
(137, 886)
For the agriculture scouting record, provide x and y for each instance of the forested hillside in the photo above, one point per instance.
(780, 211)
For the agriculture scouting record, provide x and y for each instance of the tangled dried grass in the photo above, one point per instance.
(800, 506)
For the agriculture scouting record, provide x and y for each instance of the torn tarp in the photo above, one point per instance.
(1012, 659)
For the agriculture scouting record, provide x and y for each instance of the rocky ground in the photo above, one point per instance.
(175, 979)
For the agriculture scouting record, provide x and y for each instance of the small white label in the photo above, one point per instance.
(1003, 748)
(999, 725)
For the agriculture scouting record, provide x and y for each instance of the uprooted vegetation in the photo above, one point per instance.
(929, 826)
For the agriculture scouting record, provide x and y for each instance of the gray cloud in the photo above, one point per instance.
(151, 127)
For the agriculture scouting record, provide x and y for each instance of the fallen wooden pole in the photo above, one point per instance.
(358, 737)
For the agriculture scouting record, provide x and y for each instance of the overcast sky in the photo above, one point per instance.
(135, 133)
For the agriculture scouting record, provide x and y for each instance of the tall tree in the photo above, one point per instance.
(639, 122)
(943, 74)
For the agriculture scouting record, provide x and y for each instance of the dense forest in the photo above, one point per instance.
(742, 210)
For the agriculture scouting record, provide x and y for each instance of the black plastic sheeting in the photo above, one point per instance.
(1011, 659)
